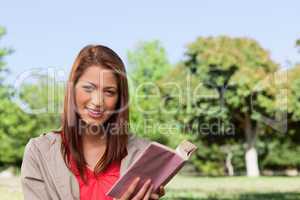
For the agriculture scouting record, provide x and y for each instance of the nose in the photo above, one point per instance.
(97, 99)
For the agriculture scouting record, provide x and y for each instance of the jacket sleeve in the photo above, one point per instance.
(32, 182)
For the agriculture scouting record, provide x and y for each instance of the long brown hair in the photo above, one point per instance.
(96, 55)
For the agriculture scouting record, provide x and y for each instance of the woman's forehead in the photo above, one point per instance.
(99, 76)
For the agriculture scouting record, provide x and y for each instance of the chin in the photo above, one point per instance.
(90, 120)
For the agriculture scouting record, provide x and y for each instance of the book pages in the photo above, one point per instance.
(185, 149)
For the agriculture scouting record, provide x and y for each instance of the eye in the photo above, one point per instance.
(111, 92)
(87, 88)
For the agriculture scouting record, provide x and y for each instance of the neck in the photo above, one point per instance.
(93, 139)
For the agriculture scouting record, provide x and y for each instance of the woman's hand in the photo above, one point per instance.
(160, 193)
(145, 193)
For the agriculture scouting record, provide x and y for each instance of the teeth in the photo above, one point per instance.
(94, 112)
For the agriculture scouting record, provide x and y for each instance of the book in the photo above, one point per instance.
(157, 162)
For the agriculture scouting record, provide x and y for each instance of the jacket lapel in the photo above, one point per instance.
(132, 152)
(64, 180)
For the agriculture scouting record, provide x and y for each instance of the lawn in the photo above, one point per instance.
(234, 188)
(224, 188)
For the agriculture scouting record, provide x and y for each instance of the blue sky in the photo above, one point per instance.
(50, 34)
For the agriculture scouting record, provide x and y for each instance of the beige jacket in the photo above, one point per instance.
(44, 174)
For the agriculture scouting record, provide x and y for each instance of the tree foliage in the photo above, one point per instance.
(148, 63)
(228, 88)
(18, 126)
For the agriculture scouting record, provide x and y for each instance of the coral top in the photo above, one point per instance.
(97, 185)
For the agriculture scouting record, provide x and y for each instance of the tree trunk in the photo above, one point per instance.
(251, 158)
(229, 165)
(252, 162)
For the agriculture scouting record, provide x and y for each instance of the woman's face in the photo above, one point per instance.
(96, 94)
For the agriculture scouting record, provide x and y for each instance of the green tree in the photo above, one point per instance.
(15, 126)
(227, 89)
(18, 126)
(283, 148)
(36, 112)
(148, 63)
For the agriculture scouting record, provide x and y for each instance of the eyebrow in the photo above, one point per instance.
(113, 87)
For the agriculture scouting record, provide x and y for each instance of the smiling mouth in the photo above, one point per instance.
(94, 113)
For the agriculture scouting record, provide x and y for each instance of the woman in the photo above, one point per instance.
(93, 148)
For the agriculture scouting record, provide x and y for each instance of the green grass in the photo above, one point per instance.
(234, 188)
(202, 188)
(7, 194)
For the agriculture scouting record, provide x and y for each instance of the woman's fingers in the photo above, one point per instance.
(162, 191)
(154, 196)
(145, 193)
(130, 189)
(149, 191)
(143, 190)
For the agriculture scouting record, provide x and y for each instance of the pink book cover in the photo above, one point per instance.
(157, 162)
